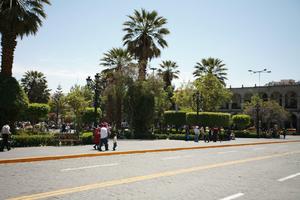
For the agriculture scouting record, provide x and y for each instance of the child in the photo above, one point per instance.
(114, 136)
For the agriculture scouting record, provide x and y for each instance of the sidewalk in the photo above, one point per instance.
(126, 147)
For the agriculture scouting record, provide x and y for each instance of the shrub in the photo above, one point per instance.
(33, 140)
(87, 138)
(37, 111)
(161, 136)
(209, 119)
(176, 118)
(241, 121)
(180, 137)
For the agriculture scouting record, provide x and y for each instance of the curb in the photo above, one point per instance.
(71, 156)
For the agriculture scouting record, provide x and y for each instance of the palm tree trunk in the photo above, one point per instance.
(8, 43)
(142, 69)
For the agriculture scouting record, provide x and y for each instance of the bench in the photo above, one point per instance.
(66, 138)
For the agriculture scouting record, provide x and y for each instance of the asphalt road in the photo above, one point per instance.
(250, 172)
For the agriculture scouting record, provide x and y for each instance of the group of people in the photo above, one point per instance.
(101, 135)
(208, 134)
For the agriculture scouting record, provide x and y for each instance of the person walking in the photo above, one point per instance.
(114, 136)
(96, 137)
(103, 137)
(202, 132)
(197, 133)
(5, 133)
(284, 133)
(206, 135)
(187, 132)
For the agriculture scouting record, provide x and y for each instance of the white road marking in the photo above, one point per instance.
(223, 152)
(288, 177)
(234, 196)
(259, 148)
(171, 158)
(89, 167)
(187, 156)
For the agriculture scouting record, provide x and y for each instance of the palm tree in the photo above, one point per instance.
(35, 86)
(212, 66)
(117, 59)
(18, 18)
(145, 33)
(168, 72)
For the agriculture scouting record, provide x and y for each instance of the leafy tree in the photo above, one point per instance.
(18, 18)
(241, 121)
(37, 111)
(144, 34)
(35, 86)
(168, 72)
(117, 59)
(88, 116)
(13, 100)
(58, 103)
(183, 97)
(213, 93)
(270, 112)
(212, 66)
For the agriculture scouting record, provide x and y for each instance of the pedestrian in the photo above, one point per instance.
(215, 134)
(197, 133)
(5, 134)
(96, 137)
(284, 133)
(103, 137)
(114, 136)
(202, 132)
(187, 132)
(206, 134)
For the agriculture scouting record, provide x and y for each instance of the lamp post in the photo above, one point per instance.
(259, 72)
(95, 85)
(257, 108)
(153, 69)
(198, 99)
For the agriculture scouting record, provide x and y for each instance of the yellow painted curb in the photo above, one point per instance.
(60, 157)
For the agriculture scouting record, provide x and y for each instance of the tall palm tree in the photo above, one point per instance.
(212, 66)
(145, 34)
(168, 72)
(18, 18)
(117, 59)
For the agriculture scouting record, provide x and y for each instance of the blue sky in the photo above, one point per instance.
(251, 34)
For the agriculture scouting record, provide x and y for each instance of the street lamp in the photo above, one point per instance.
(153, 69)
(95, 85)
(259, 72)
(198, 99)
(257, 108)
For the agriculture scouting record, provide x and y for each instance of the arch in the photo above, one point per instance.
(276, 96)
(291, 100)
(247, 97)
(263, 96)
(236, 101)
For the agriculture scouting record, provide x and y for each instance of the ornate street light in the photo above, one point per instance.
(95, 85)
(259, 72)
(197, 97)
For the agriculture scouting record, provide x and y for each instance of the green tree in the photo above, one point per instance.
(117, 59)
(144, 34)
(212, 66)
(18, 18)
(241, 121)
(13, 100)
(183, 97)
(270, 112)
(213, 93)
(36, 112)
(58, 103)
(35, 86)
(168, 72)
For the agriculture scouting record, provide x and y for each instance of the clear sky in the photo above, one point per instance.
(252, 34)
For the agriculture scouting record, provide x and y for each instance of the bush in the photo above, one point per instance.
(87, 138)
(245, 134)
(33, 140)
(180, 137)
(161, 136)
(176, 118)
(241, 121)
(37, 111)
(209, 119)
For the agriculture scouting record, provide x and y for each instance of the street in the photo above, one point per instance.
(244, 172)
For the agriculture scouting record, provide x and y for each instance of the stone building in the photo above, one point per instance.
(287, 96)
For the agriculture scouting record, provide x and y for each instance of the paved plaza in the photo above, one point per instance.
(265, 171)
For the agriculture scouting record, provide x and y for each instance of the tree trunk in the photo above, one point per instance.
(8, 43)
(142, 69)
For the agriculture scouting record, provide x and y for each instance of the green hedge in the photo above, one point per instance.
(241, 121)
(209, 119)
(33, 140)
(177, 118)
(87, 138)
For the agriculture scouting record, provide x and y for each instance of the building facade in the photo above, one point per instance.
(287, 96)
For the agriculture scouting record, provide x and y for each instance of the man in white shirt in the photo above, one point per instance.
(5, 133)
(103, 137)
